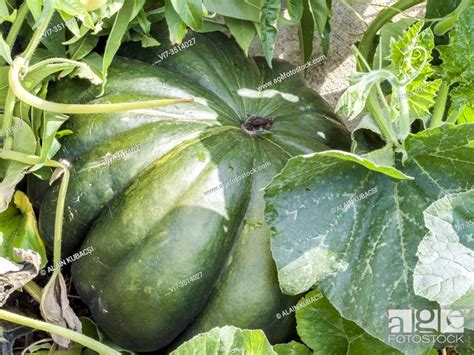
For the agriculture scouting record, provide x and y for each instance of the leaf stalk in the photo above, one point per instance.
(55, 329)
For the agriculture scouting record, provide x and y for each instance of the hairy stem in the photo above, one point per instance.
(10, 100)
(372, 104)
(18, 69)
(19, 157)
(58, 222)
(440, 105)
(55, 60)
(367, 50)
(51, 328)
(16, 26)
(404, 119)
(8, 118)
(36, 39)
(34, 290)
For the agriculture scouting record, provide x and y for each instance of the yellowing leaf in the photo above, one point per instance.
(18, 229)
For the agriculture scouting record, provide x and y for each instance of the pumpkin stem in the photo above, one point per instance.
(257, 125)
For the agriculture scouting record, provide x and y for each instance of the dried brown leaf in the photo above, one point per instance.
(55, 309)
(13, 276)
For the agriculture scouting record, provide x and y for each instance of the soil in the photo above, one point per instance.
(329, 77)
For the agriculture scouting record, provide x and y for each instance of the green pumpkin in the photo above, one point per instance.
(175, 253)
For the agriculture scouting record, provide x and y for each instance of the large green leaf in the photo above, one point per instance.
(407, 56)
(243, 32)
(24, 141)
(462, 104)
(74, 8)
(126, 13)
(295, 10)
(458, 61)
(268, 27)
(322, 328)
(458, 67)
(51, 124)
(352, 101)
(5, 15)
(437, 9)
(191, 12)
(388, 31)
(464, 305)
(83, 47)
(321, 11)
(292, 348)
(35, 7)
(227, 340)
(52, 39)
(446, 23)
(445, 270)
(306, 32)
(421, 97)
(18, 229)
(176, 26)
(362, 256)
(105, 13)
(242, 9)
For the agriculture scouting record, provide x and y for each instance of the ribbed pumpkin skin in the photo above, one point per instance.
(147, 215)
